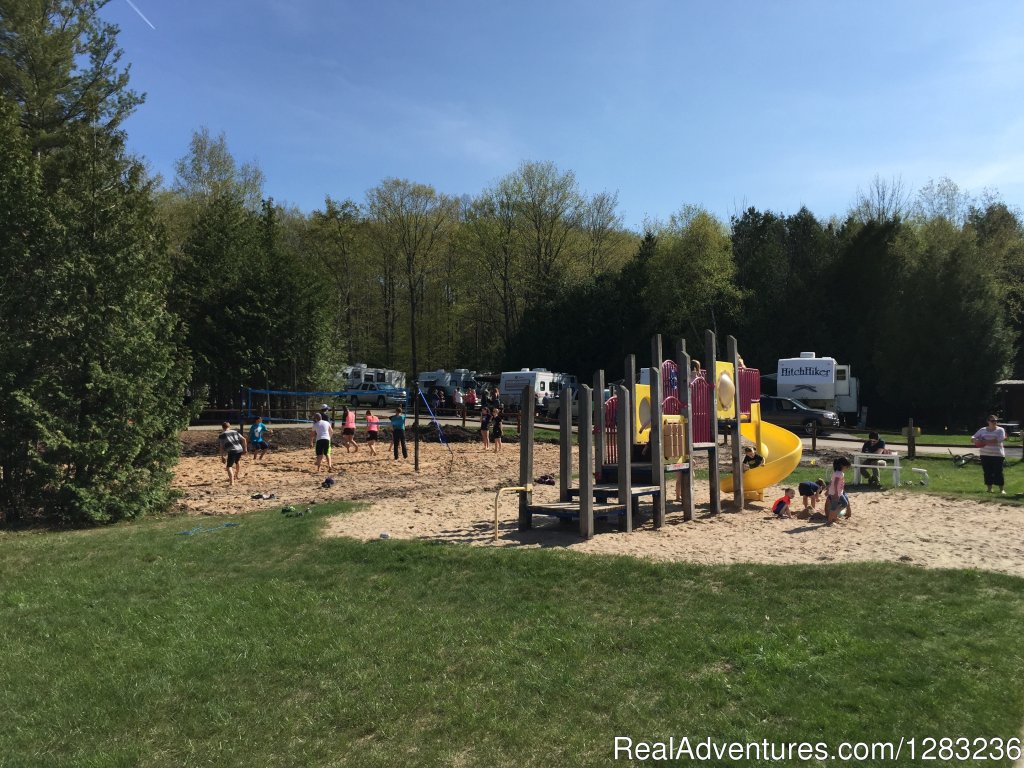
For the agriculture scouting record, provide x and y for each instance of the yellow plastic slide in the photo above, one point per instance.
(781, 450)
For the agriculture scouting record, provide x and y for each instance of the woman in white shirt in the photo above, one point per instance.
(989, 440)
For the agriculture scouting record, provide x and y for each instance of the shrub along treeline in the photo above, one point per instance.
(122, 299)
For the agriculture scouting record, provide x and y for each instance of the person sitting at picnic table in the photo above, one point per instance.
(751, 459)
(873, 445)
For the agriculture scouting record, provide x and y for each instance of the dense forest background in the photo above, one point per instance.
(920, 291)
(125, 295)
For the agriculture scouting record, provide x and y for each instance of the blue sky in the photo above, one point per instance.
(723, 105)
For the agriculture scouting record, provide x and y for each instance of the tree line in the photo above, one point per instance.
(128, 300)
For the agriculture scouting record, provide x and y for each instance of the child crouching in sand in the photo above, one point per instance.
(781, 506)
(837, 498)
(810, 492)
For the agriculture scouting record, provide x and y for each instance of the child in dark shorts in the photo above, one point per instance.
(810, 492)
(372, 432)
(780, 508)
(485, 426)
(496, 418)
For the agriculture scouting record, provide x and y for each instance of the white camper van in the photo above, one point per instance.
(359, 374)
(512, 383)
(820, 382)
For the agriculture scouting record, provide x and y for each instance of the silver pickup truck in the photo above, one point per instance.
(380, 395)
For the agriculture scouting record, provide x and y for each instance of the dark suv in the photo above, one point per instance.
(795, 416)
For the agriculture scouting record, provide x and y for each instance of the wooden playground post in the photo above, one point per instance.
(598, 405)
(586, 441)
(710, 360)
(630, 374)
(656, 355)
(732, 356)
(565, 444)
(683, 363)
(911, 440)
(526, 463)
(657, 446)
(625, 441)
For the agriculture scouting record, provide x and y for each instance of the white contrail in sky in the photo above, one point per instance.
(141, 14)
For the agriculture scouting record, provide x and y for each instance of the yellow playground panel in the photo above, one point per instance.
(673, 428)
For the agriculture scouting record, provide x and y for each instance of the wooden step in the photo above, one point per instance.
(611, 489)
(572, 508)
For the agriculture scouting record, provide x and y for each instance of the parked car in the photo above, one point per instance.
(380, 395)
(795, 416)
(553, 405)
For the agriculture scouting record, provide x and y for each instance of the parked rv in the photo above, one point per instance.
(513, 382)
(821, 383)
(359, 374)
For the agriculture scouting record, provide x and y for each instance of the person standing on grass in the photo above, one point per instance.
(320, 439)
(257, 439)
(989, 441)
(458, 401)
(348, 429)
(837, 498)
(398, 433)
(372, 432)
(873, 445)
(231, 446)
(496, 418)
(485, 426)
(470, 398)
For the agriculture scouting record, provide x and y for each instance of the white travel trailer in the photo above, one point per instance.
(439, 379)
(819, 382)
(359, 374)
(512, 383)
(461, 378)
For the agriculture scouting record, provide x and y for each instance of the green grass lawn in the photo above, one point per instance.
(266, 645)
(895, 438)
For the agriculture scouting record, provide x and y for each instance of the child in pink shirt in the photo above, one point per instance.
(372, 432)
(837, 498)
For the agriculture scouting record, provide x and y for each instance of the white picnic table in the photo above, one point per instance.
(871, 461)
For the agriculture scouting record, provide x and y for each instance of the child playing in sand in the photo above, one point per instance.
(496, 419)
(781, 506)
(258, 433)
(485, 426)
(810, 492)
(372, 432)
(320, 438)
(837, 498)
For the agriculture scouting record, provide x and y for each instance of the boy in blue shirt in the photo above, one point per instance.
(258, 433)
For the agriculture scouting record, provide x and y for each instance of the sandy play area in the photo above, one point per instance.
(452, 500)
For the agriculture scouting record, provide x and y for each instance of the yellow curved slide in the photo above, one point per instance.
(781, 450)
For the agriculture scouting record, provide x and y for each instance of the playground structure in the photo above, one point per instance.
(644, 432)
